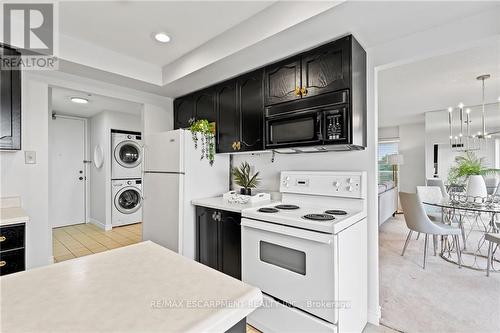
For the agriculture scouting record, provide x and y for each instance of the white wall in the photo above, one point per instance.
(30, 181)
(412, 147)
(100, 179)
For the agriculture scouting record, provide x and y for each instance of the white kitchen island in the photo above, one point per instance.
(139, 288)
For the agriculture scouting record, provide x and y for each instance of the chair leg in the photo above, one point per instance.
(490, 258)
(456, 238)
(407, 241)
(418, 235)
(462, 229)
(425, 248)
(434, 243)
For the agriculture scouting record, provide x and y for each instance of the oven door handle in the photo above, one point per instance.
(288, 231)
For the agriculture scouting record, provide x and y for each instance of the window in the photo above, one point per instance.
(384, 168)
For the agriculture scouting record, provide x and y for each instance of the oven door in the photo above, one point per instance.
(293, 265)
(295, 129)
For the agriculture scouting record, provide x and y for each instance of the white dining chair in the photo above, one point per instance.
(417, 220)
(438, 182)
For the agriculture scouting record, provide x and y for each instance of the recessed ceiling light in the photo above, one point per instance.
(162, 37)
(79, 100)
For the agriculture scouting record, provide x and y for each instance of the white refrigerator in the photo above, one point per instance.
(174, 175)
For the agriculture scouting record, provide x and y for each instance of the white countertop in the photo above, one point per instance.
(138, 288)
(220, 203)
(12, 215)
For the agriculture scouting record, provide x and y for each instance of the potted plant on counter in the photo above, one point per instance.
(243, 177)
(472, 169)
(204, 131)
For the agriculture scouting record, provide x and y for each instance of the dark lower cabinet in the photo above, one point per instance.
(219, 240)
(10, 104)
(12, 248)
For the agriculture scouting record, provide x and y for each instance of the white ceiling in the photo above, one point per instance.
(126, 27)
(212, 41)
(62, 104)
(407, 92)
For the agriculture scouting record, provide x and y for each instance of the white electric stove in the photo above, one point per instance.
(308, 254)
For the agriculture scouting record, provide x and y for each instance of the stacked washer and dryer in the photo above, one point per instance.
(126, 177)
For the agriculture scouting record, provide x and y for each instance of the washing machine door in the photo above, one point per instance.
(128, 154)
(128, 200)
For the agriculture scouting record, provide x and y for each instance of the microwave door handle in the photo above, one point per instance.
(291, 232)
(319, 126)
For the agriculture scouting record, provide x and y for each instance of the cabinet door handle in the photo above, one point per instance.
(303, 91)
(297, 91)
(238, 145)
(3, 263)
(2, 238)
(234, 145)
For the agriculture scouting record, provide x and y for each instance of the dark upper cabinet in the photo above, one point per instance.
(10, 103)
(240, 113)
(204, 105)
(183, 111)
(251, 107)
(219, 240)
(326, 69)
(228, 124)
(242, 106)
(281, 81)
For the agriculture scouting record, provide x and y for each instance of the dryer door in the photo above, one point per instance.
(128, 200)
(128, 154)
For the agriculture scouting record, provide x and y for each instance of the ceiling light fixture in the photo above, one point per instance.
(79, 100)
(162, 37)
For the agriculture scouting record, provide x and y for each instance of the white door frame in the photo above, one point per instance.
(86, 170)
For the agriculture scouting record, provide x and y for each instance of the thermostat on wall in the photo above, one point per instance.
(30, 157)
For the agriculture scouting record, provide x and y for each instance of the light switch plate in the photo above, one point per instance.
(30, 157)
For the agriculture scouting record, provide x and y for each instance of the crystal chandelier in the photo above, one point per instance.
(465, 141)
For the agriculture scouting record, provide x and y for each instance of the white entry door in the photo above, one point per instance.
(67, 171)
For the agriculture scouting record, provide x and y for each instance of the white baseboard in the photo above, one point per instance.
(374, 316)
(99, 224)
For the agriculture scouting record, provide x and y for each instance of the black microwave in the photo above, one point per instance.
(328, 126)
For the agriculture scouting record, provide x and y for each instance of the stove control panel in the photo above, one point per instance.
(341, 184)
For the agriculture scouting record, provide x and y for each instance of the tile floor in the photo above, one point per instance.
(83, 239)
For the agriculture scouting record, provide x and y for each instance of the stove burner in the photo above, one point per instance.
(288, 207)
(336, 212)
(318, 217)
(268, 210)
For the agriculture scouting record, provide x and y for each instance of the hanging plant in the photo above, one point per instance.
(207, 138)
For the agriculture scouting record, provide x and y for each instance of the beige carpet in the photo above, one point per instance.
(441, 298)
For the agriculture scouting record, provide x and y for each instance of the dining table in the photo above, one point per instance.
(475, 217)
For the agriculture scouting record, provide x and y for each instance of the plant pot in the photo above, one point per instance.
(476, 187)
(246, 191)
